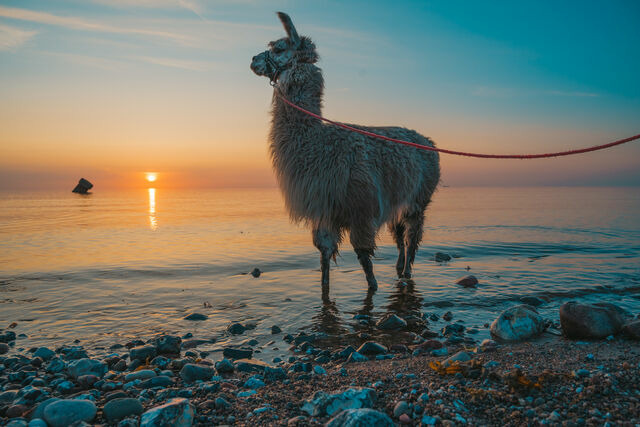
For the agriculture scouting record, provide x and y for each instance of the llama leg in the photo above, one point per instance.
(397, 231)
(364, 243)
(327, 243)
(412, 238)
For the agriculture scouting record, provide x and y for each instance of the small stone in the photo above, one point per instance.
(176, 412)
(254, 383)
(632, 329)
(467, 281)
(400, 408)
(319, 370)
(461, 356)
(356, 357)
(448, 316)
(591, 321)
(361, 417)
(168, 344)
(371, 348)
(44, 353)
(236, 329)
(275, 329)
(391, 322)
(142, 353)
(81, 367)
(192, 372)
(196, 317)
(221, 404)
(142, 374)
(224, 366)
(323, 403)
(532, 301)
(63, 413)
(405, 419)
(117, 409)
(159, 381)
(442, 257)
(237, 353)
(256, 272)
(4, 348)
(82, 187)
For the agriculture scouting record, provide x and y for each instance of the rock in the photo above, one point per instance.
(8, 396)
(7, 336)
(254, 383)
(448, 316)
(159, 381)
(80, 367)
(221, 404)
(274, 374)
(632, 329)
(142, 374)
(87, 381)
(15, 411)
(461, 356)
(224, 366)
(196, 317)
(442, 257)
(356, 357)
(591, 321)
(168, 344)
(117, 409)
(63, 413)
(275, 329)
(83, 187)
(237, 353)
(391, 322)
(256, 272)
(370, 348)
(360, 418)
(236, 329)
(4, 348)
(44, 353)
(176, 412)
(17, 422)
(39, 411)
(467, 281)
(195, 343)
(192, 372)
(142, 353)
(322, 404)
(517, 324)
(37, 422)
(532, 301)
(400, 408)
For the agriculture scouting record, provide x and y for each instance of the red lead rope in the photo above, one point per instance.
(460, 153)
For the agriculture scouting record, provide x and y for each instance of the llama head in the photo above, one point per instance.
(285, 53)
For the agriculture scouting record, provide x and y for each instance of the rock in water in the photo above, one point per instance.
(442, 257)
(168, 344)
(83, 186)
(256, 272)
(176, 412)
(63, 413)
(632, 329)
(591, 321)
(360, 418)
(468, 281)
(390, 322)
(517, 324)
(372, 348)
(328, 404)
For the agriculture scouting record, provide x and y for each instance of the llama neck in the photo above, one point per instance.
(304, 87)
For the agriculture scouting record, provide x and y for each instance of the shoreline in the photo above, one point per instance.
(549, 380)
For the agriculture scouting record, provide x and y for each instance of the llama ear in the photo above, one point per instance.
(289, 28)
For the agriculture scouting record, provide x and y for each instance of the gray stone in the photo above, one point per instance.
(196, 317)
(372, 348)
(322, 403)
(360, 418)
(77, 368)
(221, 404)
(237, 353)
(83, 186)
(275, 329)
(37, 422)
(632, 329)
(8, 396)
(44, 353)
(518, 324)
(192, 372)
(224, 366)
(461, 356)
(159, 381)
(442, 257)
(168, 344)
(391, 322)
(591, 321)
(17, 422)
(142, 353)
(402, 407)
(356, 357)
(65, 412)
(39, 411)
(4, 348)
(142, 374)
(117, 409)
(176, 412)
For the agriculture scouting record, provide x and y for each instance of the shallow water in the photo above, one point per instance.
(109, 267)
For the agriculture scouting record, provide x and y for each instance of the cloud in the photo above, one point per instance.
(12, 37)
(81, 24)
(89, 61)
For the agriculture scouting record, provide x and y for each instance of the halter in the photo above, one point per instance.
(273, 65)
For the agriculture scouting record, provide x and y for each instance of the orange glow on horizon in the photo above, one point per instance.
(151, 176)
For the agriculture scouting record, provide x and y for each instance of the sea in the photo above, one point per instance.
(110, 267)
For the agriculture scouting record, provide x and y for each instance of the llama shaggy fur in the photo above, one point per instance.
(338, 181)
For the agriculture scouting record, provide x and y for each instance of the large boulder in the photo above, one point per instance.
(322, 403)
(83, 186)
(176, 412)
(360, 418)
(591, 321)
(518, 324)
(63, 413)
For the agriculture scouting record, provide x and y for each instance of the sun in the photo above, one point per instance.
(151, 176)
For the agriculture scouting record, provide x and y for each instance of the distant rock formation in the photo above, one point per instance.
(83, 186)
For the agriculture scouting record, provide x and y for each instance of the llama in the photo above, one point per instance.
(337, 181)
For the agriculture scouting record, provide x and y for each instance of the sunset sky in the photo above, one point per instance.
(111, 89)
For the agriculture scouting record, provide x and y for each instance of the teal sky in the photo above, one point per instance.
(110, 88)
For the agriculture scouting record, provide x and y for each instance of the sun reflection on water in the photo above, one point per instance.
(153, 222)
